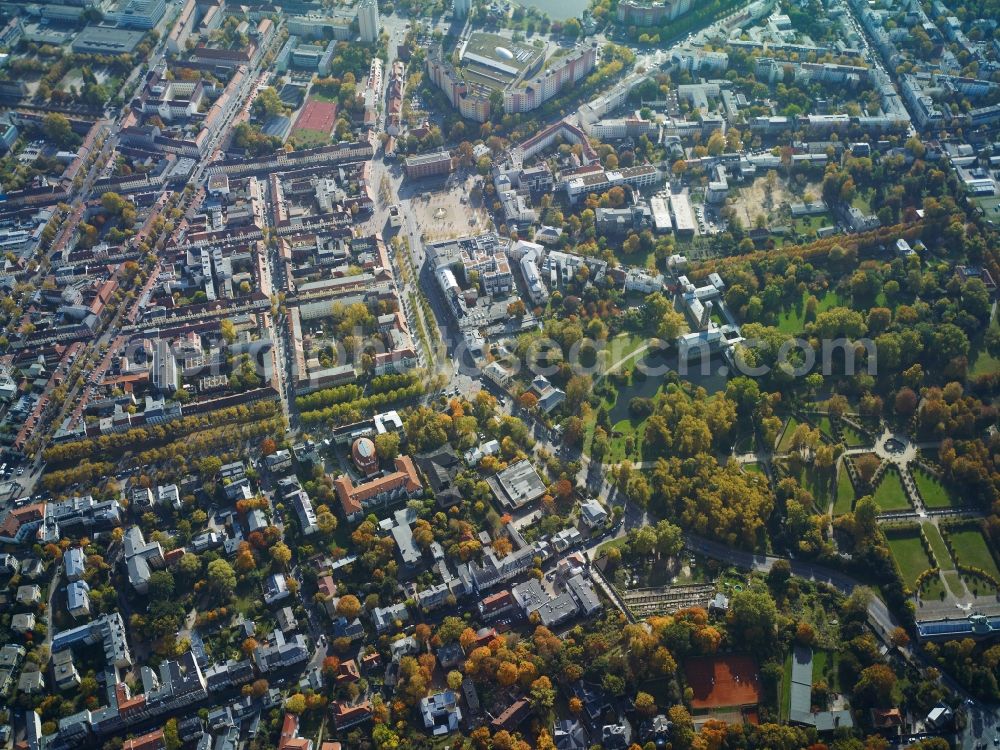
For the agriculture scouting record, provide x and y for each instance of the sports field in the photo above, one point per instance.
(723, 681)
(317, 116)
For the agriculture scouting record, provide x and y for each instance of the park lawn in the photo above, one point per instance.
(620, 432)
(621, 348)
(753, 468)
(809, 224)
(818, 486)
(315, 93)
(932, 588)
(786, 436)
(792, 319)
(862, 201)
(954, 580)
(305, 138)
(970, 546)
(890, 494)
(845, 493)
(853, 438)
(826, 668)
(938, 547)
(910, 556)
(825, 427)
(610, 544)
(640, 258)
(981, 361)
(933, 490)
(786, 689)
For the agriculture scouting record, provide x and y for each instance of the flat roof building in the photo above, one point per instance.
(106, 40)
(517, 485)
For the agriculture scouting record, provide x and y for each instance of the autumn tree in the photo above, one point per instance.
(349, 606)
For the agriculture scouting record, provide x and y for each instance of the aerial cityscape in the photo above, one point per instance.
(466, 374)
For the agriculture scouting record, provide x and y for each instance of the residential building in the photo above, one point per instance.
(441, 713)
(369, 22)
(140, 558)
(385, 618)
(78, 599)
(74, 563)
(289, 738)
(428, 165)
(108, 630)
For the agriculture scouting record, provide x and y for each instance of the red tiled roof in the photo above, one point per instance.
(151, 741)
(18, 517)
(352, 497)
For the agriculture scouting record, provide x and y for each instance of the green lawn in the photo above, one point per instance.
(753, 467)
(823, 422)
(620, 433)
(910, 556)
(954, 581)
(970, 546)
(981, 362)
(825, 667)
(890, 494)
(938, 547)
(305, 138)
(603, 549)
(809, 224)
(786, 436)
(321, 97)
(818, 485)
(845, 493)
(792, 319)
(853, 438)
(621, 347)
(786, 689)
(932, 588)
(933, 490)
(861, 201)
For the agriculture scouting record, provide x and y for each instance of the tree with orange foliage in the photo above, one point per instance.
(267, 447)
(259, 688)
(563, 489)
(708, 639)
(502, 546)
(645, 704)
(575, 706)
(245, 561)
(330, 666)
(467, 638)
(480, 737)
(349, 606)
(422, 632)
(248, 646)
(663, 661)
(526, 673)
(507, 674)
(528, 400)
(805, 634)
(544, 741)
(899, 638)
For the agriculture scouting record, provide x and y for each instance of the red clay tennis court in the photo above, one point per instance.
(316, 115)
(723, 681)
